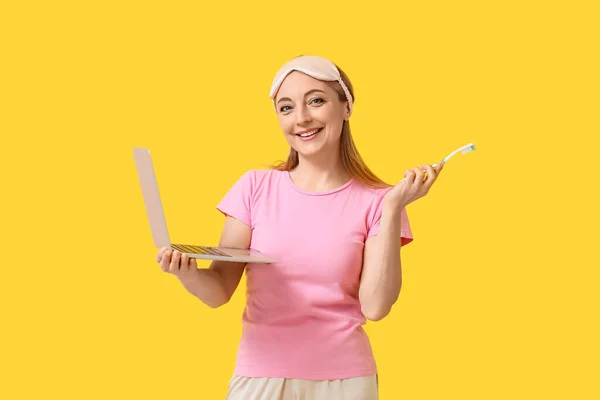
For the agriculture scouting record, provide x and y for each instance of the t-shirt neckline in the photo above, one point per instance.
(339, 188)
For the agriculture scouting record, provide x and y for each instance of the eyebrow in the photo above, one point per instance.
(305, 94)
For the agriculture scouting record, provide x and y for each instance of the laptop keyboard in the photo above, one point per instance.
(188, 248)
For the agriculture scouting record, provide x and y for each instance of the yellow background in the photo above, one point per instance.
(500, 292)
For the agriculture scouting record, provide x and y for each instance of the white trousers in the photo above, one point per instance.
(360, 388)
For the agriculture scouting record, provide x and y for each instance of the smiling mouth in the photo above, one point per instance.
(309, 133)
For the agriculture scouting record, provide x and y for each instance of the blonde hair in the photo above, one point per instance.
(351, 159)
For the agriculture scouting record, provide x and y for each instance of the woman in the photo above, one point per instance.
(337, 230)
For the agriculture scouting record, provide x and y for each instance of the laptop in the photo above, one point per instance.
(158, 223)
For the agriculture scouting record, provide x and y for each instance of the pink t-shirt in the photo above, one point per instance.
(303, 317)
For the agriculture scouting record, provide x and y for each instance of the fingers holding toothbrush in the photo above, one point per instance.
(416, 183)
(432, 173)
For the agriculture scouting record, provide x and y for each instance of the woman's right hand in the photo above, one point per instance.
(176, 263)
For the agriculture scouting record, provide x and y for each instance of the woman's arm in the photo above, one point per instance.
(215, 286)
(381, 277)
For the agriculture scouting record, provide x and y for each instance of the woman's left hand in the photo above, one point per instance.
(413, 186)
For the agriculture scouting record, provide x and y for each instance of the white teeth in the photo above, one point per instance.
(307, 134)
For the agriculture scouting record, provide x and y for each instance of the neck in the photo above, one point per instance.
(319, 173)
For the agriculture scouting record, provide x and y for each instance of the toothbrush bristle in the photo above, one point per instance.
(468, 149)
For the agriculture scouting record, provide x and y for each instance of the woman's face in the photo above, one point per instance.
(310, 114)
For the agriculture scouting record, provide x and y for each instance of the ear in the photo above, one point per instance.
(347, 112)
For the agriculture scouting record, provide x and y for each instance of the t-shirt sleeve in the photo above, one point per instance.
(405, 230)
(237, 202)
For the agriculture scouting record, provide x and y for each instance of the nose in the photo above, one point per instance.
(302, 115)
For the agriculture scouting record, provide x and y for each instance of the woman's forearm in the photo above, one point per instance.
(210, 286)
(383, 280)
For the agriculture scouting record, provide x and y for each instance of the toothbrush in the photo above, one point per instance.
(465, 149)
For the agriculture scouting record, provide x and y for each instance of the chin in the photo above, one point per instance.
(306, 151)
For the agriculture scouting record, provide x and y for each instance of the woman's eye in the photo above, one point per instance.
(282, 109)
(319, 99)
